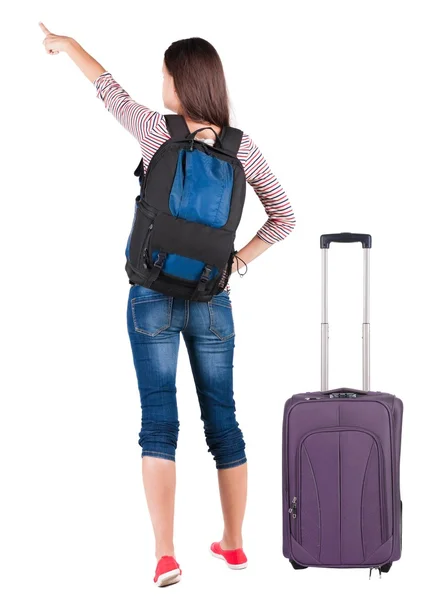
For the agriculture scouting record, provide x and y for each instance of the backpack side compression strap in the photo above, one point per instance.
(176, 126)
(231, 138)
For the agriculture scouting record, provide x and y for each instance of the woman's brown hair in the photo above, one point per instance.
(199, 80)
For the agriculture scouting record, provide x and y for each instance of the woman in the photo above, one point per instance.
(193, 86)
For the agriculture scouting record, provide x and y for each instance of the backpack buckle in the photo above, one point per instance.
(160, 259)
(156, 268)
(206, 273)
(204, 277)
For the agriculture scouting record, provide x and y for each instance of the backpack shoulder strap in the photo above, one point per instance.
(231, 138)
(177, 126)
(177, 129)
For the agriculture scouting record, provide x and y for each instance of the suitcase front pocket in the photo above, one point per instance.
(340, 496)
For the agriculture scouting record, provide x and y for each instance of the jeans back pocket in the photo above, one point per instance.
(151, 312)
(221, 321)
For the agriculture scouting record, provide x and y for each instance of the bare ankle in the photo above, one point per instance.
(231, 542)
(164, 550)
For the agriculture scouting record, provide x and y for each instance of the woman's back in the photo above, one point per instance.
(149, 128)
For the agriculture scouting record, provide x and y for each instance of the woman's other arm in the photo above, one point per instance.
(281, 220)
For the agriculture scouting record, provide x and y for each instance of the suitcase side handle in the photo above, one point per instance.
(345, 238)
(366, 242)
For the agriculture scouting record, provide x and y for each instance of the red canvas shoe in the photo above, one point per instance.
(235, 559)
(167, 572)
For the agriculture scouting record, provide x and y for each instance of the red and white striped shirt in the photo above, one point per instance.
(149, 128)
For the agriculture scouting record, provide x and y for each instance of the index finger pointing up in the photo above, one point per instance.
(44, 29)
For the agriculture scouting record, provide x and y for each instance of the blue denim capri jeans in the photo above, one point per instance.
(155, 322)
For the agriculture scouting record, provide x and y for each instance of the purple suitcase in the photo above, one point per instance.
(341, 462)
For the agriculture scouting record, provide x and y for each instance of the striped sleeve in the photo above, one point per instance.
(136, 118)
(281, 220)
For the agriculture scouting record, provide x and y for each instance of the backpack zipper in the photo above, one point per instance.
(146, 211)
(146, 251)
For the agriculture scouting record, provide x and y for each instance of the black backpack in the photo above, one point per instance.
(186, 216)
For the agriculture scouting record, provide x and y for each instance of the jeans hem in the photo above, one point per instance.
(230, 465)
(158, 455)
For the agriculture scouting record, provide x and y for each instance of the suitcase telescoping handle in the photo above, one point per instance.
(345, 238)
(366, 242)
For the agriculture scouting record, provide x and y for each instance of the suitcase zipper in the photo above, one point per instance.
(293, 508)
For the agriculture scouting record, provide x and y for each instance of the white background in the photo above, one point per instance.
(345, 101)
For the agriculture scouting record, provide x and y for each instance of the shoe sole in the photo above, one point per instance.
(168, 578)
(235, 567)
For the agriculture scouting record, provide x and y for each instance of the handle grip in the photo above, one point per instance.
(345, 238)
(194, 133)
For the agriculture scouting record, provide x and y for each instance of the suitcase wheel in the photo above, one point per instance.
(296, 566)
(386, 567)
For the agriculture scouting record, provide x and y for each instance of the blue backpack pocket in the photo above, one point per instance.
(202, 188)
(184, 267)
(201, 192)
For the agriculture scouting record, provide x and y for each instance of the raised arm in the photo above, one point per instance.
(62, 43)
(136, 118)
